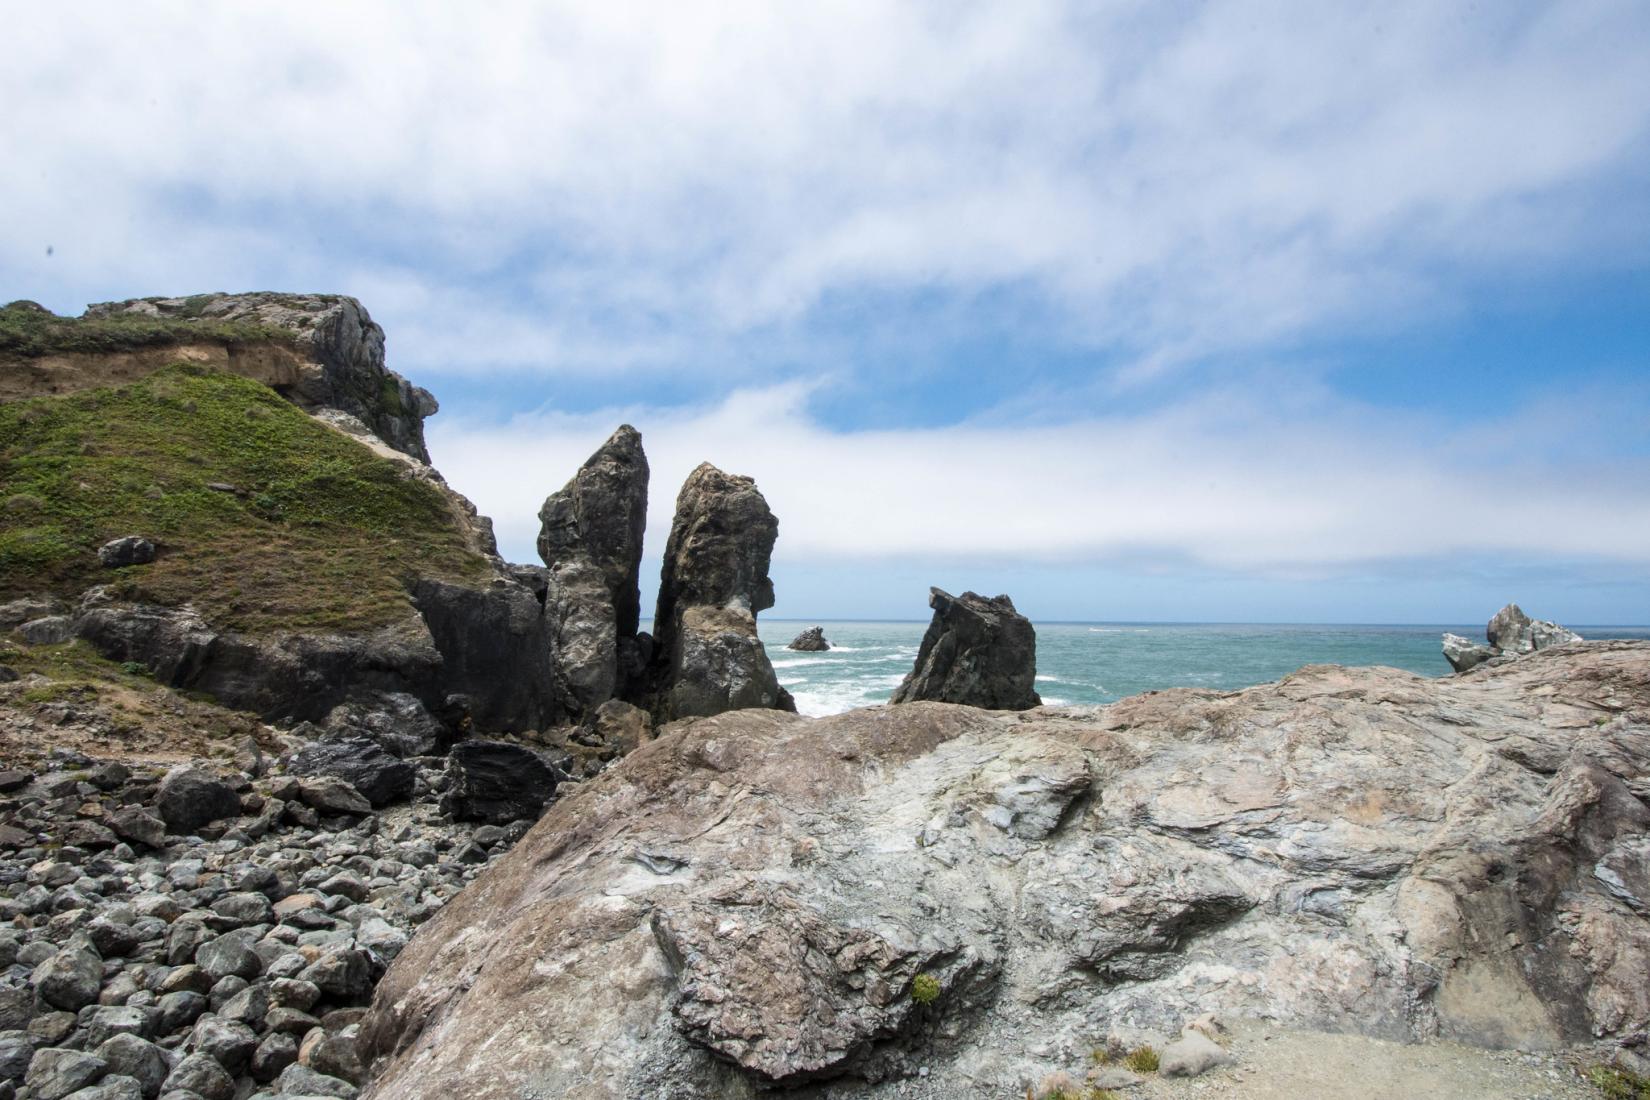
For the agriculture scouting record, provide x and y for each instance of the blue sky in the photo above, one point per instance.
(1144, 311)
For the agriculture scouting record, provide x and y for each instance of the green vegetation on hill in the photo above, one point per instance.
(307, 529)
(27, 332)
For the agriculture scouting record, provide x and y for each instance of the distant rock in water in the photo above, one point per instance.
(978, 652)
(811, 640)
(590, 537)
(708, 658)
(1511, 634)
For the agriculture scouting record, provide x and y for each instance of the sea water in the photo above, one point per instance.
(1081, 663)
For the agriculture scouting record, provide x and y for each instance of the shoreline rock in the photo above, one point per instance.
(978, 652)
(811, 640)
(1510, 634)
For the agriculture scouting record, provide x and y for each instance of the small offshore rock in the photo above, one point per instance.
(811, 640)
(131, 550)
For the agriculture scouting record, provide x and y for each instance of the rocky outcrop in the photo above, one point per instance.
(811, 640)
(339, 360)
(497, 657)
(749, 899)
(978, 652)
(707, 656)
(590, 538)
(1511, 633)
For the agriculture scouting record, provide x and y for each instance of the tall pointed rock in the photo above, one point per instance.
(715, 580)
(590, 537)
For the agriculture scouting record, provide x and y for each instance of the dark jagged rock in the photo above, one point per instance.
(497, 782)
(131, 550)
(978, 652)
(590, 537)
(495, 649)
(191, 796)
(359, 761)
(396, 720)
(599, 517)
(811, 640)
(707, 657)
(339, 362)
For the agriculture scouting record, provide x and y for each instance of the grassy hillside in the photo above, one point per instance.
(316, 533)
(28, 332)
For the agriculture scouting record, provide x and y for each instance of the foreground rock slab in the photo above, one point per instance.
(751, 899)
(978, 652)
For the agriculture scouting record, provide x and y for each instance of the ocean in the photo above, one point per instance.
(1082, 663)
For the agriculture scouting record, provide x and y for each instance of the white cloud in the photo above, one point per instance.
(1255, 483)
(593, 186)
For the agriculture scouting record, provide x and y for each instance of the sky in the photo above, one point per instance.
(1134, 311)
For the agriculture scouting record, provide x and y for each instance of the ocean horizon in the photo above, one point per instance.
(1081, 663)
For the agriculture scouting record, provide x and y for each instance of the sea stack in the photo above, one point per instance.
(979, 652)
(707, 657)
(811, 640)
(590, 537)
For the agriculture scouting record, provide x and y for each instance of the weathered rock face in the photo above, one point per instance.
(977, 652)
(708, 658)
(498, 782)
(811, 640)
(341, 360)
(1511, 634)
(748, 898)
(496, 652)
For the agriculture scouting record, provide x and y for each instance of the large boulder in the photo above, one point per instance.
(359, 761)
(192, 795)
(498, 782)
(1464, 653)
(750, 899)
(495, 649)
(397, 720)
(131, 550)
(707, 656)
(811, 640)
(978, 652)
(1512, 631)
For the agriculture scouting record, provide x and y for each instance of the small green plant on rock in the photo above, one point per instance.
(925, 989)
(1141, 1060)
(1618, 1084)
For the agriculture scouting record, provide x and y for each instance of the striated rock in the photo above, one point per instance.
(131, 550)
(978, 652)
(811, 640)
(747, 899)
(498, 782)
(590, 538)
(191, 796)
(708, 658)
(339, 360)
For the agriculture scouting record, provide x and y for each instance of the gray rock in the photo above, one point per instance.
(498, 782)
(707, 656)
(1191, 1055)
(137, 824)
(55, 1073)
(362, 762)
(811, 640)
(274, 1053)
(228, 1042)
(1464, 653)
(298, 1080)
(396, 720)
(16, 1051)
(131, 550)
(137, 1058)
(191, 796)
(331, 795)
(590, 539)
(496, 651)
(111, 1088)
(978, 652)
(52, 630)
(201, 1074)
(229, 955)
(1513, 632)
(71, 979)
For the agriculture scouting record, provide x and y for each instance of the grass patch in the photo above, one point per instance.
(1618, 1084)
(1142, 1060)
(29, 333)
(318, 533)
(925, 989)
